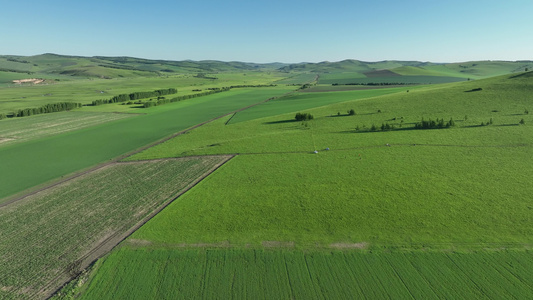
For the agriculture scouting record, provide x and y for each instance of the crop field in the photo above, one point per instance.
(30, 128)
(285, 274)
(49, 236)
(42, 160)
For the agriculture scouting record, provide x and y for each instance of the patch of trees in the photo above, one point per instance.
(47, 108)
(135, 96)
(434, 124)
(303, 117)
(19, 61)
(474, 90)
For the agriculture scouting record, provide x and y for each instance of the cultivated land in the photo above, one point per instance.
(394, 213)
(42, 160)
(50, 236)
(20, 130)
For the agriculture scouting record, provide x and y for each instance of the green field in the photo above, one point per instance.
(14, 97)
(346, 205)
(440, 213)
(59, 228)
(284, 274)
(39, 161)
(19, 130)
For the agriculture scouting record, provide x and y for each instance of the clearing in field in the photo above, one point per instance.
(48, 237)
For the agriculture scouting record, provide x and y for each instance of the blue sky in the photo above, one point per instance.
(271, 31)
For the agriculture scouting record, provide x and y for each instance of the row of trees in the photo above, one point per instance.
(47, 108)
(135, 96)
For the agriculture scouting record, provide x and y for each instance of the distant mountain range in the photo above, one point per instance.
(16, 67)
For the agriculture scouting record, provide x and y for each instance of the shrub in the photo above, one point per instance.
(522, 122)
(351, 112)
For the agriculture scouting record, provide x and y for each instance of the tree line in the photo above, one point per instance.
(47, 108)
(135, 96)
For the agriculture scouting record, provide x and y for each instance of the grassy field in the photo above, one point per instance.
(284, 274)
(85, 91)
(39, 161)
(47, 237)
(426, 214)
(20, 130)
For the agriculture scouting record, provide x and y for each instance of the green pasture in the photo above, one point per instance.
(407, 79)
(329, 78)
(303, 100)
(463, 187)
(144, 273)
(297, 78)
(38, 161)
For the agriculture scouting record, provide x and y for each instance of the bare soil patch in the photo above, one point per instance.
(30, 80)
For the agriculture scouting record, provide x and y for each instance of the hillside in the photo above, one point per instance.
(16, 67)
(391, 72)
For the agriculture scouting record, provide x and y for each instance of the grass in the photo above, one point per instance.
(283, 274)
(85, 91)
(460, 188)
(19, 130)
(39, 161)
(55, 229)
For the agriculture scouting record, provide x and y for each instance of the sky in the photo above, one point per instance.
(271, 31)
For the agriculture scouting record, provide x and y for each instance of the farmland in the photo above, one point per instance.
(357, 202)
(27, 129)
(450, 207)
(70, 152)
(284, 274)
(62, 229)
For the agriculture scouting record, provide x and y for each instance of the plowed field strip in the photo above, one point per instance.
(55, 228)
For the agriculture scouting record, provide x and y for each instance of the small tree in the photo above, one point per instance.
(526, 111)
(522, 122)
(351, 112)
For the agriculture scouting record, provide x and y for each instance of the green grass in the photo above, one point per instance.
(19, 130)
(39, 161)
(13, 97)
(297, 79)
(55, 228)
(303, 100)
(465, 187)
(408, 79)
(285, 274)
